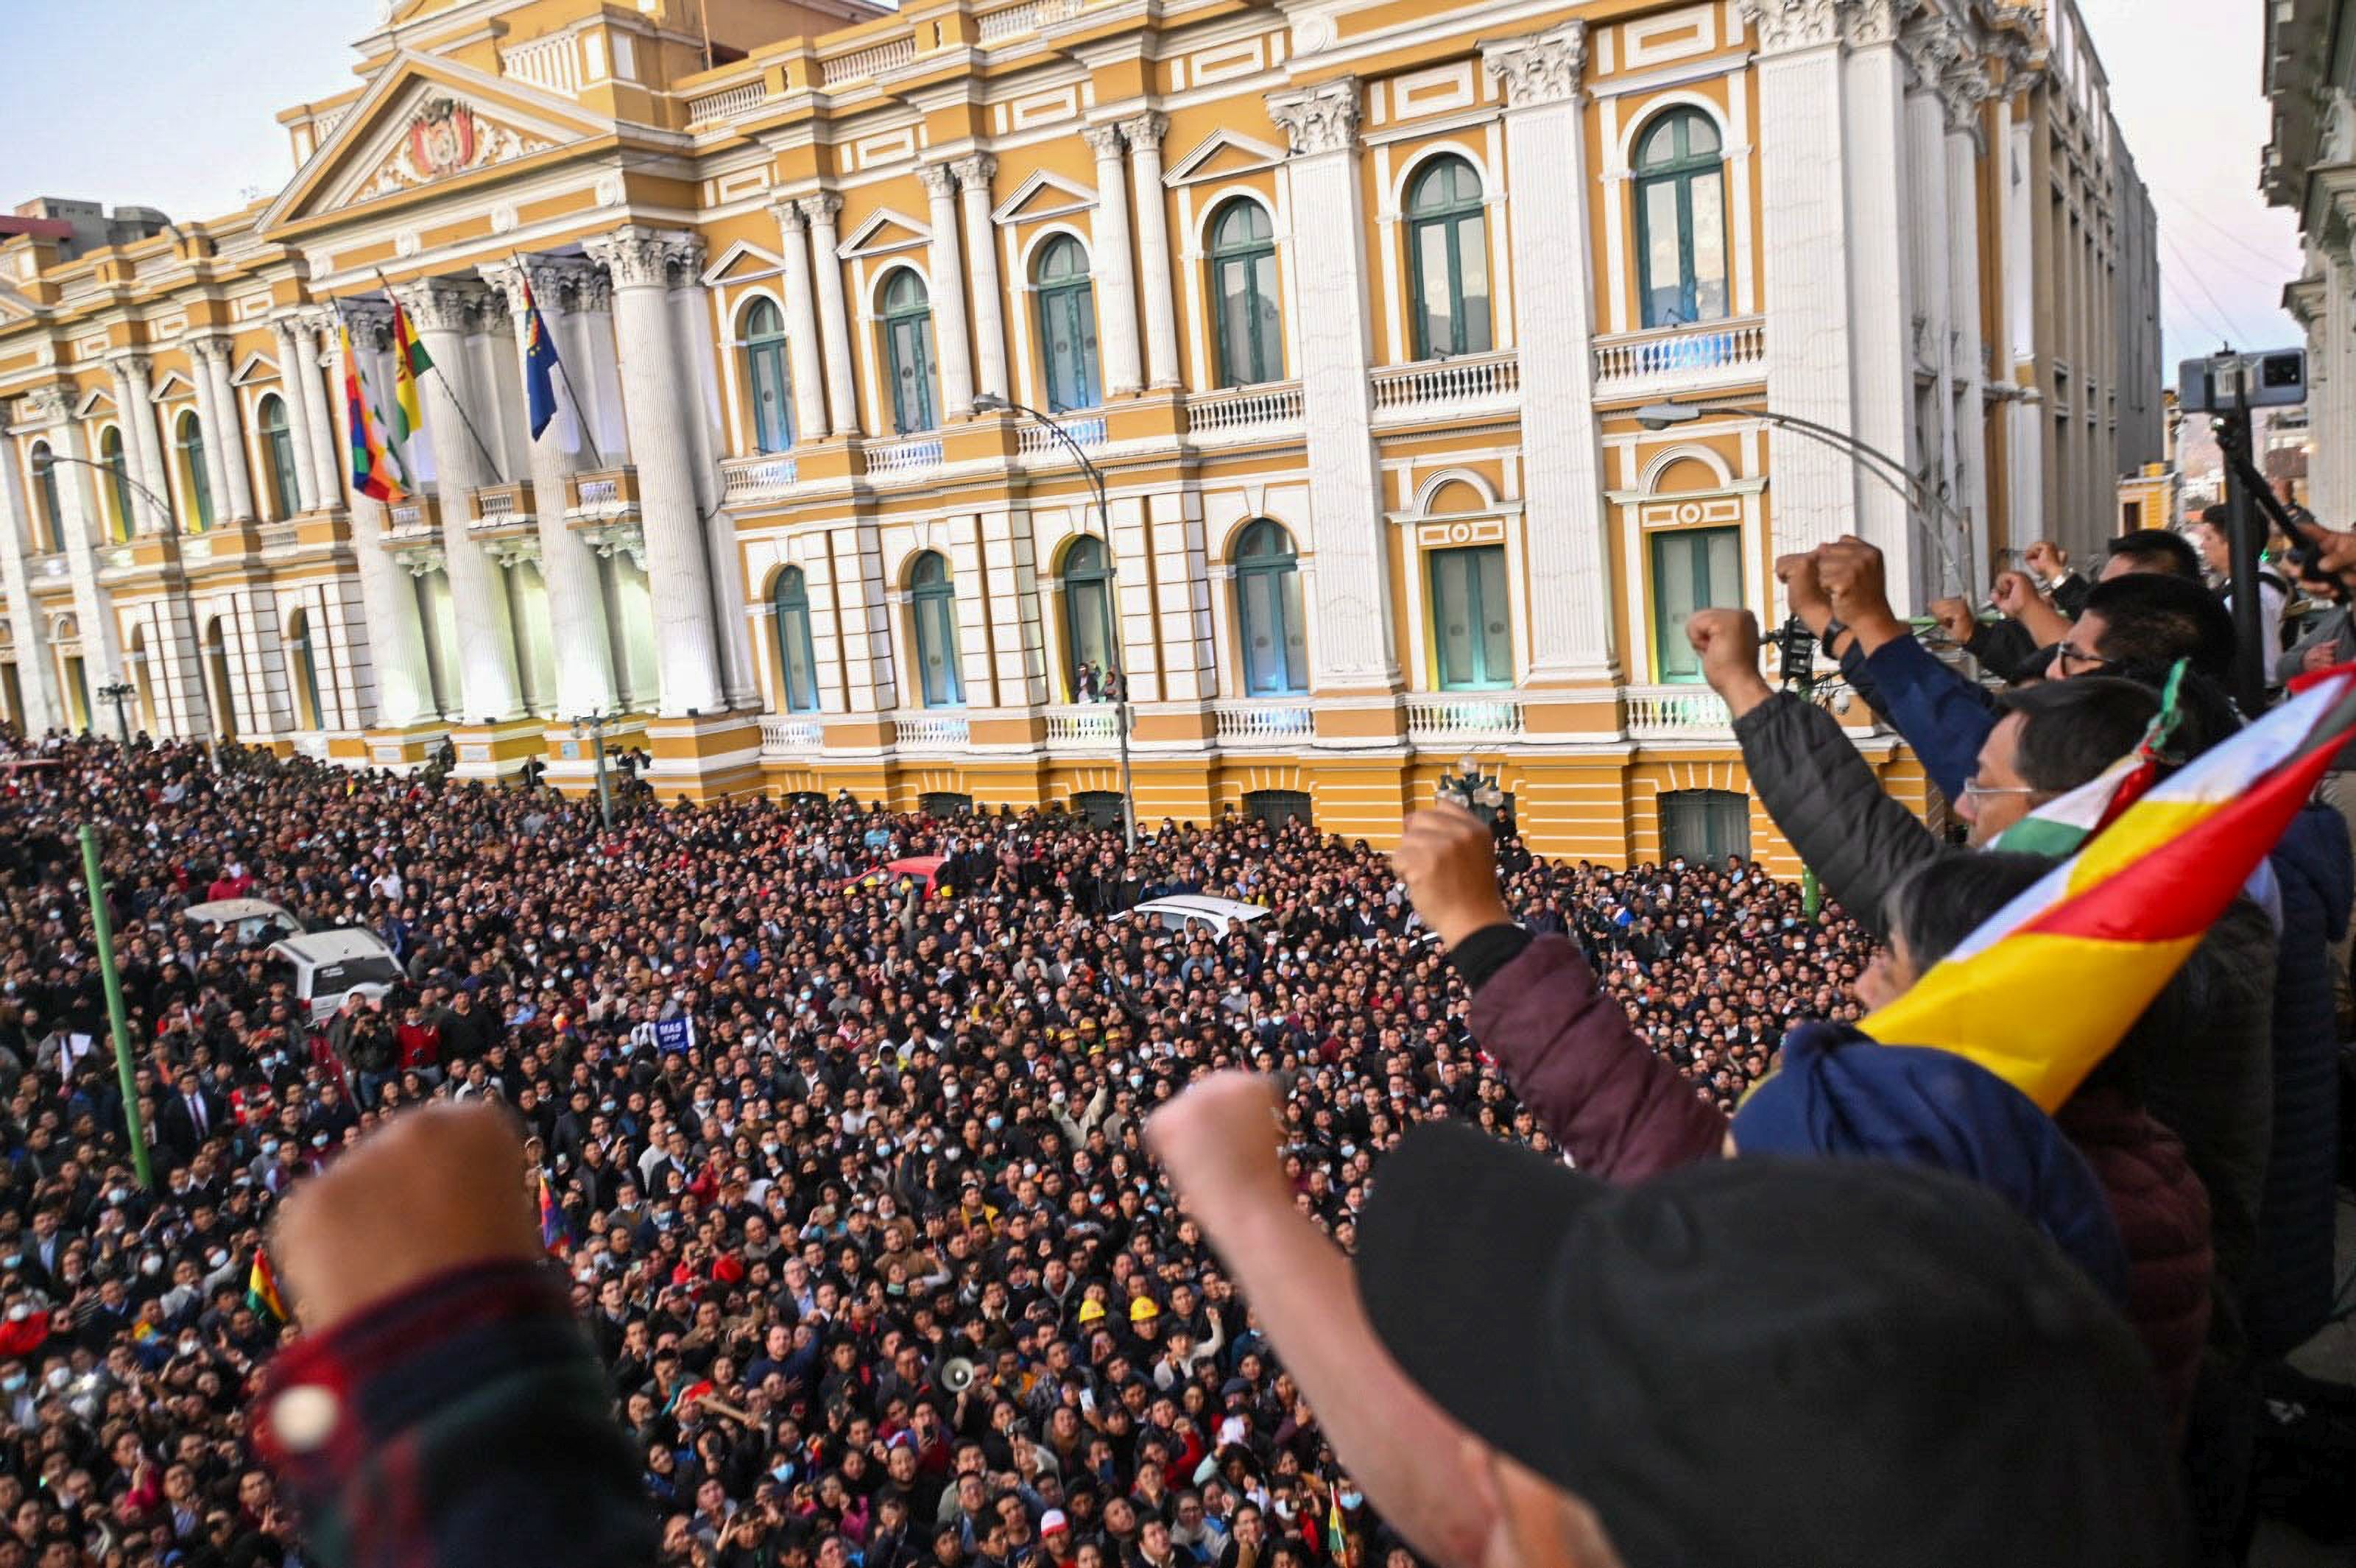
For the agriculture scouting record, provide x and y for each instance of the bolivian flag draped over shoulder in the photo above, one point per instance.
(372, 470)
(2046, 988)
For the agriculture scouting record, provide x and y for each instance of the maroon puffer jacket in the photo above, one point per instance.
(1624, 1113)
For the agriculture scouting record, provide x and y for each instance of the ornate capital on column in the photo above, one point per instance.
(939, 181)
(555, 281)
(1145, 131)
(1103, 140)
(213, 349)
(976, 172)
(1787, 25)
(639, 257)
(1322, 119)
(789, 213)
(1542, 68)
(1868, 23)
(442, 304)
(822, 209)
(42, 406)
(133, 369)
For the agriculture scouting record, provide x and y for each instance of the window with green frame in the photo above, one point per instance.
(191, 442)
(1087, 611)
(797, 655)
(1448, 257)
(278, 444)
(932, 602)
(908, 350)
(1681, 219)
(1248, 318)
(1471, 618)
(1274, 631)
(48, 511)
(1692, 568)
(1068, 325)
(118, 479)
(764, 377)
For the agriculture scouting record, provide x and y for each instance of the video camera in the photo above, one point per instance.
(2224, 383)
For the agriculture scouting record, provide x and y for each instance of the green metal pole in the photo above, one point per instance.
(1812, 894)
(102, 927)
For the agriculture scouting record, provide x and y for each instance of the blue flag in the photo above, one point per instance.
(539, 365)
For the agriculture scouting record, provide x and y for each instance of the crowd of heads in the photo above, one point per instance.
(848, 1172)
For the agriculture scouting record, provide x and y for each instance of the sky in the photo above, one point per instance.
(174, 106)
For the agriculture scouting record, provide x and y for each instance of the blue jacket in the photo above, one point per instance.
(1944, 717)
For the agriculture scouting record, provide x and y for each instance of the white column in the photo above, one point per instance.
(142, 449)
(396, 632)
(1144, 132)
(330, 457)
(801, 325)
(1873, 133)
(36, 677)
(973, 175)
(298, 377)
(1546, 154)
(1353, 648)
(210, 420)
(226, 428)
(834, 315)
(1925, 233)
(1115, 288)
(444, 312)
(1964, 393)
(949, 292)
(577, 609)
(101, 640)
(657, 402)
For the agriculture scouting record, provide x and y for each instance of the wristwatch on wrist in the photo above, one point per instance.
(1833, 628)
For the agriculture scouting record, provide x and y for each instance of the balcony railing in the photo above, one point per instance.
(1082, 725)
(1447, 389)
(420, 516)
(790, 735)
(552, 65)
(1035, 439)
(916, 456)
(311, 743)
(728, 103)
(51, 565)
(1677, 713)
(872, 61)
(1678, 358)
(932, 732)
(751, 478)
(1026, 16)
(1452, 719)
(1245, 413)
(502, 505)
(1282, 723)
(607, 495)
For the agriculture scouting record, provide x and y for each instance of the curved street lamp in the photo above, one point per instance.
(120, 477)
(1919, 496)
(114, 692)
(990, 402)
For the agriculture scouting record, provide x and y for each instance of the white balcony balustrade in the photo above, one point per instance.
(1447, 720)
(1470, 386)
(1677, 713)
(1681, 358)
(1265, 722)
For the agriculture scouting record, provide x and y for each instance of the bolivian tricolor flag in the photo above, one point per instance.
(372, 471)
(410, 361)
(262, 1288)
(2044, 990)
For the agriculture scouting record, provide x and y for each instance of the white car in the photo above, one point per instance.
(250, 916)
(331, 965)
(1177, 914)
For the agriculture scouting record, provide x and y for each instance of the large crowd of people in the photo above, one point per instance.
(815, 1144)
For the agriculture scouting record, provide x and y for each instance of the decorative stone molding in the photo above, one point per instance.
(1146, 129)
(1941, 58)
(131, 366)
(1104, 140)
(1322, 119)
(640, 257)
(442, 304)
(1542, 68)
(513, 552)
(1870, 23)
(823, 208)
(977, 171)
(1785, 26)
(612, 538)
(213, 349)
(939, 181)
(789, 213)
(42, 406)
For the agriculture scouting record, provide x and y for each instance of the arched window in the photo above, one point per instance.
(789, 605)
(1068, 325)
(765, 375)
(278, 443)
(1268, 610)
(191, 442)
(48, 507)
(1472, 622)
(1681, 219)
(1088, 612)
(1448, 246)
(933, 601)
(908, 350)
(118, 480)
(1243, 284)
(308, 713)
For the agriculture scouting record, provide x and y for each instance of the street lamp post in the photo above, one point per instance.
(114, 692)
(990, 402)
(1919, 496)
(596, 723)
(119, 476)
(1473, 790)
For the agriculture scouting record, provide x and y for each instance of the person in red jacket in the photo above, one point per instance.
(419, 1040)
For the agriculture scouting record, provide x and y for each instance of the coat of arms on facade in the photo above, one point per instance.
(445, 137)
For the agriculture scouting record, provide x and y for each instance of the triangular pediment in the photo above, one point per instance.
(258, 367)
(741, 263)
(1043, 196)
(1223, 155)
(172, 384)
(884, 233)
(15, 306)
(98, 401)
(421, 120)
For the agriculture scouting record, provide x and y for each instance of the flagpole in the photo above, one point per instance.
(580, 409)
(490, 464)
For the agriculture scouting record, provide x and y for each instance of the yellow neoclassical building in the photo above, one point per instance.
(1351, 304)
